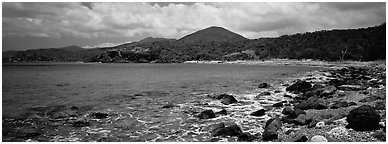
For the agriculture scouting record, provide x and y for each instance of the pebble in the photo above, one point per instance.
(318, 138)
(338, 131)
(320, 124)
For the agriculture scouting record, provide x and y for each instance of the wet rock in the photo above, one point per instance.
(258, 113)
(380, 105)
(99, 115)
(352, 87)
(379, 135)
(352, 103)
(169, 105)
(298, 87)
(338, 131)
(363, 118)
(271, 128)
(299, 138)
(247, 137)
(339, 105)
(328, 91)
(207, 114)
(263, 85)
(303, 120)
(228, 99)
(318, 138)
(296, 113)
(222, 112)
(370, 99)
(81, 123)
(287, 110)
(216, 96)
(279, 104)
(232, 130)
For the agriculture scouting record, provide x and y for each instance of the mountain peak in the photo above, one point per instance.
(213, 33)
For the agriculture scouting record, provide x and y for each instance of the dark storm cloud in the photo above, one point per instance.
(96, 23)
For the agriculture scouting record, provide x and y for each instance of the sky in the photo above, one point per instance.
(49, 25)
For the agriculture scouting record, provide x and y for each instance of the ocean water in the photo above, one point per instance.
(133, 95)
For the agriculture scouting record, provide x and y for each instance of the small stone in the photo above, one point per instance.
(264, 94)
(279, 104)
(352, 103)
(299, 138)
(229, 99)
(287, 110)
(320, 124)
(170, 105)
(222, 112)
(338, 131)
(258, 113)
(379, 135)
(263, 85)
(302, 120)
(246, 137)
(318, 138)
(207, 114)
(99, 115)
(339, 105)
(232, 130)
(329, 90)
(300, 86)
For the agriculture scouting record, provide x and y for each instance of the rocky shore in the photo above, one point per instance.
(344, 104)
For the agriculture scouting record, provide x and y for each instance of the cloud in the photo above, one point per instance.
(174, 20)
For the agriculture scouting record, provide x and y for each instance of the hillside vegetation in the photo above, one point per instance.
(216, 43)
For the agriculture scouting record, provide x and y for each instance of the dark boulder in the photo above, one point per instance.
(232, 130)
(301, 86)
(271, 128)
(207, 114)
(339, 104)
(258, 113)
(222, 112)
(287, 110)
(352, 103)
(312, 103)
(279, 104)
(246, 137)
(169, 105)
(263, 85)
(296, 113)
(363, 118)
(228, 99)
(81, 123)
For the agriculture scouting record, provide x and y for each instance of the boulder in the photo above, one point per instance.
(279, 104)
(258, 113)
(228, 99)
(232, 130)
(169, 105)
(296, 113)
(328, 91)
(312, 103)
(207, 114)
(246, 137)
(263, 85)
(222, 112)
(287, 110)
(298, 87)
(363, 118)
(318, 138)
(303, 120)
(271, 128)
(339, 105)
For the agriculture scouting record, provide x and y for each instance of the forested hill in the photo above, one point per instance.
(364, 44)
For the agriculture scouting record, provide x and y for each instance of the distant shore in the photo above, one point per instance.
(307, 62)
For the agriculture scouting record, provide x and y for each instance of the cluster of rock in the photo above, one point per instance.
(315, 96)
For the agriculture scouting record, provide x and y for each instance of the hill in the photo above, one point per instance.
(215, 43)
(217, 34)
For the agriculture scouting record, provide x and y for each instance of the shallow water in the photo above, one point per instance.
(133, 95)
